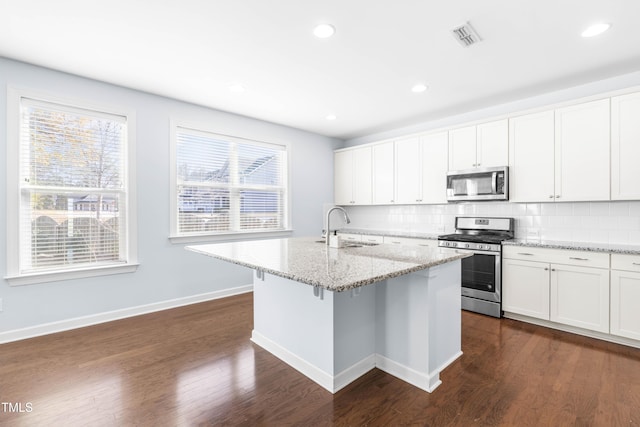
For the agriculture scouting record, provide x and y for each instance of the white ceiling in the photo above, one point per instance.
(194, 50)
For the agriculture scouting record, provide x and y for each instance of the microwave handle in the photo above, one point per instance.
(494, 182)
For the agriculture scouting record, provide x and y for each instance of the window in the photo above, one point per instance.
(227, 185)
(69, 179)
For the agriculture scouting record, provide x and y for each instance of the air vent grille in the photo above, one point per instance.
(465, 35)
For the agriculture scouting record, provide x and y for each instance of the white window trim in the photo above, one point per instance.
(174, 236)
(14, 277)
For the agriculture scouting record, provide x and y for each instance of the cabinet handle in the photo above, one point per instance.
(579, 259)
(635, 263)
(525, 253)
(551, 196)
(553, 269)
(557, 196)
(546, 269)
(391, 201)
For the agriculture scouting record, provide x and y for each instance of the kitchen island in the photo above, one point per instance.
(334, 314)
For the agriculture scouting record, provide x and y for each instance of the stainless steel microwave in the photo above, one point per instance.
(478, 184)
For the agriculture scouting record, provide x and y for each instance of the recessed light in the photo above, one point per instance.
(419, 88)
(331, 117)
(595, 29)
(237, 88)
(323, 31)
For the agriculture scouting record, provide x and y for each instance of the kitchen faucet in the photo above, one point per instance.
(346, 218)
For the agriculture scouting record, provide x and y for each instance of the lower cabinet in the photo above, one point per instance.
(562, 286)
(580, 297)
(625, 296)
(525, 288)
(411, 241)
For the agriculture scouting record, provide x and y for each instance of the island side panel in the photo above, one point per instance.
(295, 325)
(418, 324)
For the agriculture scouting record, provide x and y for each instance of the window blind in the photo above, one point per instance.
(72, 187)
(227, 184)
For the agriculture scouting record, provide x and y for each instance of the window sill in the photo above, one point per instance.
(253, 235)
(33, 278)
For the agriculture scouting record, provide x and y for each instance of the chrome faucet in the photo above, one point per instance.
(346, 218)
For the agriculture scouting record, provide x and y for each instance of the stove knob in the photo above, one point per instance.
(466, 245)
(481, 247)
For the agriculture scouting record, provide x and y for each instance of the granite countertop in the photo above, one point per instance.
(305, 260)
(390, 233)
(578, 246)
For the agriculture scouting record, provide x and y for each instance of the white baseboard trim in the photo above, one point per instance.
(574, 330)
(426, 382)
(354, 372)
(311, 371)
(108, 316)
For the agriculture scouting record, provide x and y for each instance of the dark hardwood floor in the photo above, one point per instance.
(195, 365)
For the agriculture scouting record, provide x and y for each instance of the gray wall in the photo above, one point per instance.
(166, 271)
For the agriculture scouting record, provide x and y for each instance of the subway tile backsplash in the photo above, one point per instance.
(598, 222)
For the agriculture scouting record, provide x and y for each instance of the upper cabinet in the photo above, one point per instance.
(625, 147)
(421, 168)
(582, 152)
(482, 146)
(531, 157)
(560, 155)
(383, 173)
(352, 177)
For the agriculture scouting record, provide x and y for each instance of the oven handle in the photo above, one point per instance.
(494, 182)
(459, 251)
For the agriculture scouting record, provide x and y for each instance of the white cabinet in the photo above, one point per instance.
(525, 288)
(580, 297)
(462, 148)
(625, 296)
(383, 173)
(531, 157)
(563, 286)
(421, 169)
(560, 155)
(411, 241)
(582, 145)
(482, 146)
(352, 177)
(625, 147)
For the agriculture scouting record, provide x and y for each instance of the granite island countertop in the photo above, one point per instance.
(577, 246)
(306, 260)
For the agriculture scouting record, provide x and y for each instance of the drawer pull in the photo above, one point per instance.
(525, 253)
(579, 259)
(635, 263)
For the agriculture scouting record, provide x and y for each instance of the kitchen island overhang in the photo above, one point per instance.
(393, 307)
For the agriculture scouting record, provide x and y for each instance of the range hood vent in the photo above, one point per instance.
(465, 35)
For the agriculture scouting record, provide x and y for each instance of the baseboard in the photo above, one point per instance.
(311, 371)
(574, 330)
(354, 372)
(427, 382)
(94, 319)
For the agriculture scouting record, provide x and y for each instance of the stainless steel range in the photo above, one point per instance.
(481, 273)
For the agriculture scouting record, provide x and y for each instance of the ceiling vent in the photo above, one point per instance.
(465, 35)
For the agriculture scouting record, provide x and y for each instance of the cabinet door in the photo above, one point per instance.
(582, 152)
(462, 148)
(492, 146)
(383, 173)
(408, 171)
(343, 177)
(625, 304)
(625, 147)
(434, 168)
(525, 288)
(531, 157)
(362, 176)
(580, 297)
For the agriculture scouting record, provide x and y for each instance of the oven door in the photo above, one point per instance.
(481, 275)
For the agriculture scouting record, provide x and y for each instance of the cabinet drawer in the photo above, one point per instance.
(372, 239)
(351, 237)
(557, 256)
(414, 241)
(625, 262)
